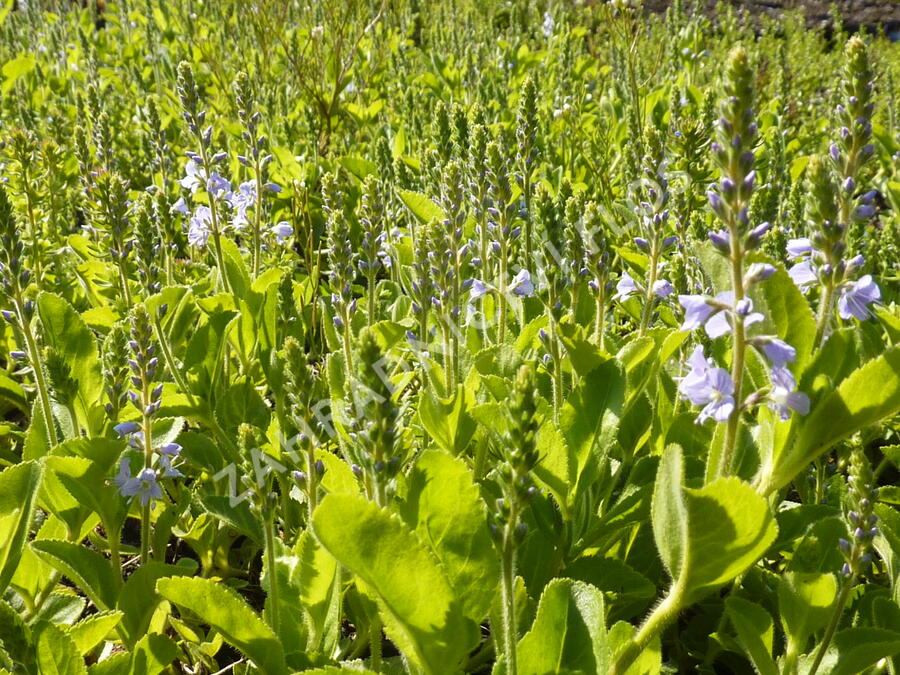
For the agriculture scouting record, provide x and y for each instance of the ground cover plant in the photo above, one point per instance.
(429, 338)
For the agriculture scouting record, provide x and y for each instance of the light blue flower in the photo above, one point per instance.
(181, 207)
(282, 231)
(193, 179)
(708, 386)
(143, 486)
(521, 284)
(199, 227)
(779, 352)
(782, 398)
(856, 297)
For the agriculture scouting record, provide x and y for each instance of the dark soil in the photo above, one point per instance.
(869, 14)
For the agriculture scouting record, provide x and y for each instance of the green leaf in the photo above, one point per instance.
(138, 598)
(670, 516)
(569, 632)
(855, 404)
(152, 654)
(707, 536)
(730, 527)
(790, 313)
(56, 652)
(589, 420)
(225, 611)
(15, 637)
(86, 568)
(421, 206)
(612, 576)
(446, 419)
(755, 630)
(649, 662)
(805, 602)
(18, 490)
(15, 69)
(66, 332)
(316, 580)
(444, 507)
(235, 269)
(242, 404)
(90, 632)
(420, 611)
(358, 166)
(855, 649)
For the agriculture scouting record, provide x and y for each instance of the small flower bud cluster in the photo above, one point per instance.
(15, 275)
(479, 190)
(443, 273)
(143, 364)
(835, 202)
(114, 364)
(375, 449)
(146, 399)
(733, 152)
(161, 158)
(503, 212)
(861, 519)
(147, 244)
(442, 132)
(596, 248)
(853, 149)
(302, 390)
(374, 238)
(527, 123)
(518, 458)
(549, 216)
(257, 478)
(341, 255)
(422, 283)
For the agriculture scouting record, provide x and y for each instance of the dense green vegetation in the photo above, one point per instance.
(463, 337)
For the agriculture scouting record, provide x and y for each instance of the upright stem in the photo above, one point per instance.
(271, 573)
(371, 299)
(833, 623)
(148, 457)
(737, 362)
(557, 371)
(508, 594)
(651, 282)
(257, 219)
(40, 383)
(599, 326)
(501, 329)
(824, 314)
(658, 620)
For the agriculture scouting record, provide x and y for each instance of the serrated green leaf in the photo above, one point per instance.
(91, 631)
(138, 598)
(444, 507)
(855, 404)
(755, 630)
(19, 486)
(56, 652)
(569, 632)
(670, 516)
(66, 332)
(224, 610)
(420, 611)
(86, 568)
(421, 206)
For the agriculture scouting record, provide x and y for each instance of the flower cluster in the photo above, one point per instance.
(146, 398)
(731, 311)
(861, 519)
